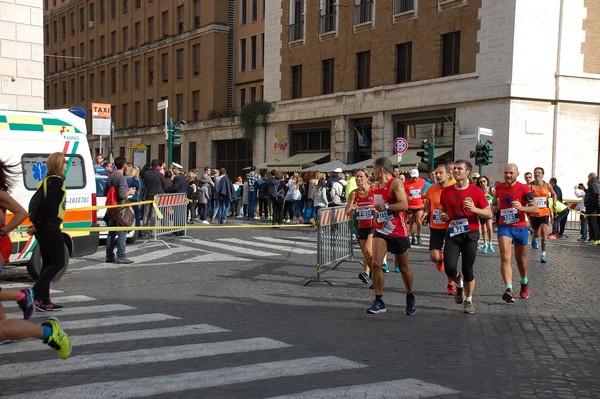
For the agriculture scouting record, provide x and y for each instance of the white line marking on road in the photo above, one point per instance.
(59, 299)
(80, 310)
(408, 388)
(115, 320)
(288, 242)
(146, 256)
(149, 386)
(91, 339)
(288, 247)
(135, 357)
(209, 257)
(243, 250)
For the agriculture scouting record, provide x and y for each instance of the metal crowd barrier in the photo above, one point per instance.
(174, 213)
(334, 240)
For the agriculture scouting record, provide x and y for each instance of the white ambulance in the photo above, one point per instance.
(26, 140)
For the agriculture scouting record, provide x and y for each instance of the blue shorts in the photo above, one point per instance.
(519, 235)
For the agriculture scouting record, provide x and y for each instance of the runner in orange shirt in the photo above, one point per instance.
(414, 189)
(539, 221)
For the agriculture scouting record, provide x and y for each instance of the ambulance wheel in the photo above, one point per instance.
(34, 266)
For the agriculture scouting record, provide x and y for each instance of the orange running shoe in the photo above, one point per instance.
(451, 288)
(440, 264)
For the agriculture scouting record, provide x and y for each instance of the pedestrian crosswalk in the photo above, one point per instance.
(100, 354)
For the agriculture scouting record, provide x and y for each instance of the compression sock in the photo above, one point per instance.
(524, 280)
(509, 287)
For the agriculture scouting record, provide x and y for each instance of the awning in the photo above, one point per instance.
(327, 167)
(297, 162)
(361, 165)
(259, 166)
(410, 160)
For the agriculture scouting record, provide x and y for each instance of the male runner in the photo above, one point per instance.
(513, 199)
(461, 205)
(414, 189)
(391, 234)
(539, 220)
(437, 227)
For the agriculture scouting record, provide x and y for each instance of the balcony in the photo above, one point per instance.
(297, 31)
(363, 13)
(328, 23)
(402, 6)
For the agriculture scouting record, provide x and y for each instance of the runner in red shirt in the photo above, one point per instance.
(391, 234)
(414, 191)
(461, 205)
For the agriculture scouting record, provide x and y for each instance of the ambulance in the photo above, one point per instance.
(26, 140)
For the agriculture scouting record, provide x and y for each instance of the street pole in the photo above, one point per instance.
(169, 142)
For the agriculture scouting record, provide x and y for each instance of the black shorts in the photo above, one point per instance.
(411, 211)
(537, 221)
(396, 245)
(483, 220)
(436, 238)
(363, 234)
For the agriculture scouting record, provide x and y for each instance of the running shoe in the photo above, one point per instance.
(364, 277)
(508, 296)
(534, 243)
(419, 241)
(459, 296)
(524, 293)
(396, 269)
(47, 307)
(491, 248)
(468, 307)
(26, 304)
(411, 305)
(544, 259)
(485, 249)
(385, 268)
(440, 264)
(412, 241)
(59, 340)
(451, 288)
(559, 236)
(552, 236)
(377, 307)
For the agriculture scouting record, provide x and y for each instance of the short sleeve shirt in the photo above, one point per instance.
(414, 189)
(509, 216)
(452, 200)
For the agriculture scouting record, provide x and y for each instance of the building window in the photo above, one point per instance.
(137, 109)
(138, 4)
(92, 51)
(253, 52)
(242, 97)
(363, 70)
(101, 11)
(72, 23)
(82, 87)
(401, 6)
(165, 23)
(243, 12)
(113, 9)
(242, 55)
(102, 46)
(403, 62)
(137, 34)
(196, 14)
(161, 151)
(150, 64)
(150, 112)
(179, 110)
(313, 140)
(63, 27)
(150, 29)
(92, 84)
(363, 11)
(328, 16)
(196, 105)
(72, 89)
(450, 53)
(328, 77)
(113, 80)
(125, 7)
(179, 63)
(254, 14)
(262, 49)
(72, 54)
(91, 16)
(252, 94)
(113, 41)
(125, 114)
(297, 81)
(164, 65)
(125, 34)
(191, 155)
(196, 59)
(102, 83)
(137, 74)
(296, 20)
(180, 20)
(124, 77)
(81, 19)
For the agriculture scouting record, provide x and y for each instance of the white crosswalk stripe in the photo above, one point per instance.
(130, 386)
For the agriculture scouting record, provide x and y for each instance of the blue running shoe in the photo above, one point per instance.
(491, 248)
(534, 243)
(485, 249)
(544, 259)
(411, 305)
(385, 268)
(396, 269)
(377, 307)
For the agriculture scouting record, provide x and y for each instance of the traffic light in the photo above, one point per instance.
(479, 153)
(176, 136)
(487, 151)
(173, 137)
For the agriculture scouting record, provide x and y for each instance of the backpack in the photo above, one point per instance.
(281, 191)
(36, 201)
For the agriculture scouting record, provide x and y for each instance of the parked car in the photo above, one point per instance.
(101, 200)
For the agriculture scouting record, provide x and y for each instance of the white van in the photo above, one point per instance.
(26, 139)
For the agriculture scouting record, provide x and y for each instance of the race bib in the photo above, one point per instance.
(458, 227)
(384, 216)
(364, 213)
(437, 219)
(415, 193)
(541, 201)
(509, 215)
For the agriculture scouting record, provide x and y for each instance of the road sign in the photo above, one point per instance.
(401, 145)
(468, 137)
(485, 131)
(162, 105)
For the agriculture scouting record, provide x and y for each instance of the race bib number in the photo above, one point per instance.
(384, 216)
(437, 219)
(364, 213)
(415, 193)
(509, 215)
(541, 201)
(458, 227)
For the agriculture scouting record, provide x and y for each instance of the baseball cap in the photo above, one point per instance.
(337, 170)
(414, 173)
(176, 165)
(475, 175)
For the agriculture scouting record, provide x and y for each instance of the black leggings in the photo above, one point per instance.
(465, 244)
(52, 250)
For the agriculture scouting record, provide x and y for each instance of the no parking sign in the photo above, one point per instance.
(401, 145)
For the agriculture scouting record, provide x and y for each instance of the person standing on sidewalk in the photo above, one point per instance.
(47, 230)
(437, 227)
(592, 208)
(513, 199)
(461, 206)
(542, 191)
(391, 234)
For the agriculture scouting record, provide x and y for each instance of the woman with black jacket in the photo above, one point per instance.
(47, 231)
